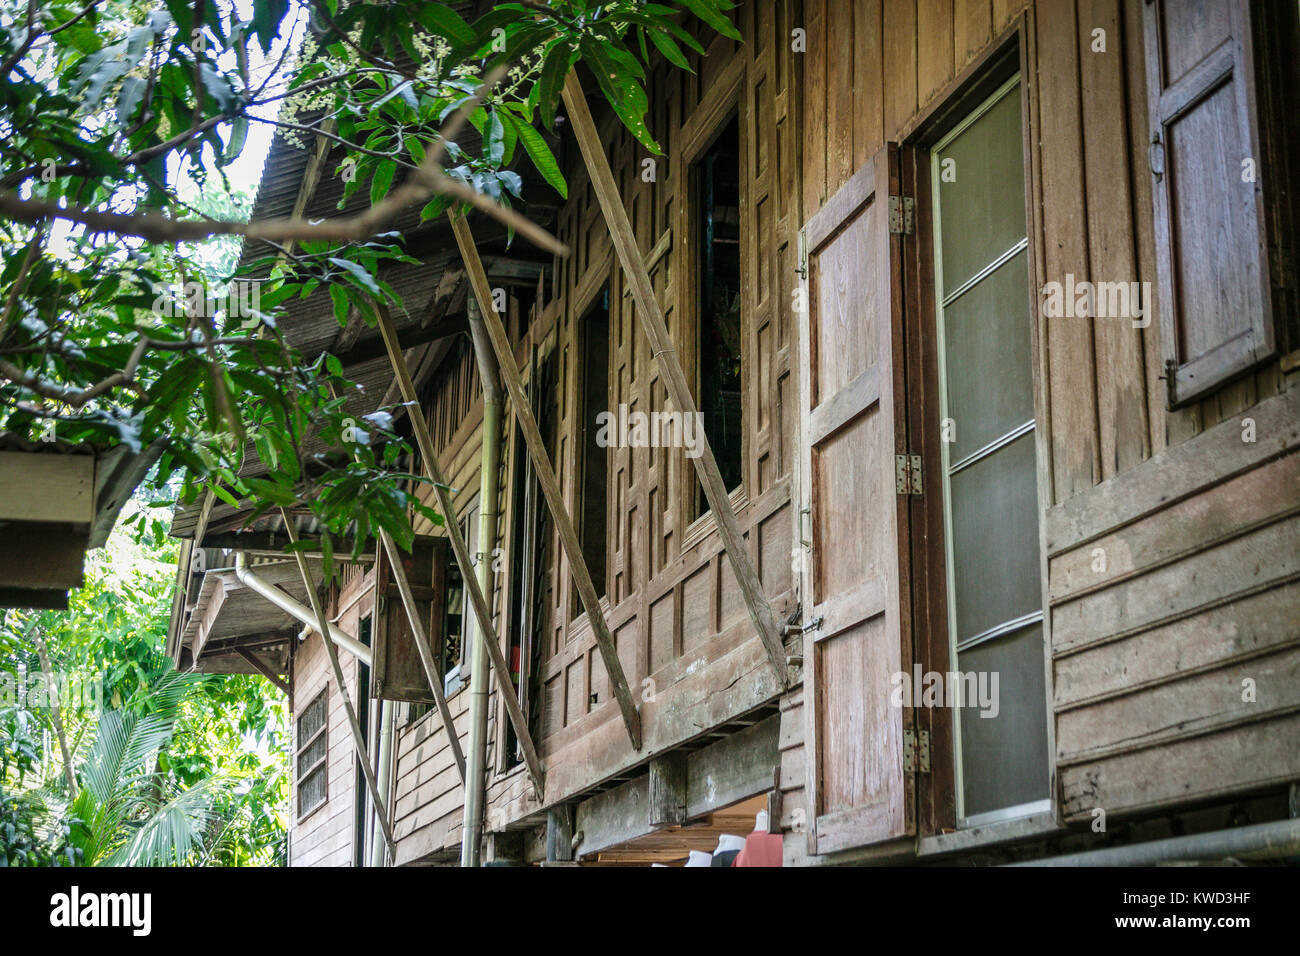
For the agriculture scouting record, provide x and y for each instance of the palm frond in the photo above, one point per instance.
(174, 830)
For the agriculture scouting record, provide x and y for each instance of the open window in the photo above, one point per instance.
(715, 180)
(398, 672)
(531, 543)
(1224, 233)
(594, 472)
(988, 473)
(365, 720)
(455, 641)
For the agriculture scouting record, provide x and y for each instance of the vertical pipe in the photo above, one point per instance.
(377, 847)
(489, 487)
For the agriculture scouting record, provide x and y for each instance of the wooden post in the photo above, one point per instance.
(422, 646)
(668, 789)
(656, 329)
(559, 834)
(358, 739)
(546, 478)
(491, 641)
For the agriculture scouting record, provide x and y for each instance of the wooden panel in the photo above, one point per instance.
(1259, 559)
(1121, 383)
(1211, 252)
(934, 47)
(398, 672)
(858, 792)
(1070, 374)
(47, 487)
(1197, 768)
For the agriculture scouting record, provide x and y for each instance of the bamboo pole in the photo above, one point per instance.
(381, 811)
(656, 329)
(546, 478)
(422, 646)
(484, 616)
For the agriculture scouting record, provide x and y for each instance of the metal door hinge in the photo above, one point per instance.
(802, 268)
(901, 210)
(907, 475)
(916, 751)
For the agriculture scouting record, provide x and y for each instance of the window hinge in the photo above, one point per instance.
(802, 268)
(916, 751)
(907, 475)
(901, 210)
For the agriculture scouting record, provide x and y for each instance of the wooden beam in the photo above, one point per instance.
(358, 738)
(735, 768)
(559, 834)
(424, 439)
(36, 486)
(546, 478)
(422, 646)
(670, 369)
(668, 789)
(262, 669)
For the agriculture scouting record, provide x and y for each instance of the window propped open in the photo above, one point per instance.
(717, 183)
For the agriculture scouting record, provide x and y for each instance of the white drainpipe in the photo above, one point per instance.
(301, 612)
(378, 848)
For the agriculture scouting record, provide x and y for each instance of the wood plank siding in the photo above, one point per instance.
(1192, 514)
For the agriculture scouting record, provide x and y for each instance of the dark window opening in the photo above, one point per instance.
(717, 178)
(594, 332)
(363, 719)
(530, 548)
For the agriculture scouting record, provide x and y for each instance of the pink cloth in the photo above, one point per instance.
(761, 849)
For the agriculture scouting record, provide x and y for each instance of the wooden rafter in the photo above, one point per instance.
(424, 439)
(661, 344)
(262, 668)
(422, 646)
(546, 478)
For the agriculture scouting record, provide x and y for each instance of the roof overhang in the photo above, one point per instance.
(57, 501)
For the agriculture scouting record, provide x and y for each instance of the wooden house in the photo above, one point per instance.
(990, 311)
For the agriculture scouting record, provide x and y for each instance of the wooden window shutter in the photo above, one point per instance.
(1213, 295)
(853, 427)
(397, 673)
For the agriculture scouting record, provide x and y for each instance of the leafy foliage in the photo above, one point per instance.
(129, 110)
(169, 768)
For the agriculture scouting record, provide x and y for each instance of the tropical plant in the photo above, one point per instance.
(119, 124)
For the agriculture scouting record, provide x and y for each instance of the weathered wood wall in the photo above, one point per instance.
(1199, 592)
(1168, 495)
(325, 836)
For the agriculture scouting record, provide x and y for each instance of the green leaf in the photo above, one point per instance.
(719, 21)
(359, 274)
(445, 22)
(541, 156)
(494, 142)
(382, 180)
(669, 48)
(339, 296)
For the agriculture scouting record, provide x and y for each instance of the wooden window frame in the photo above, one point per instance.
(456, 679)
(538, 355)
(321, 766)
(698, 133)
(1038, 617)
(1013, 51)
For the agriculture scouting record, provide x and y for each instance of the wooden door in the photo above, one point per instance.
(854, 427)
